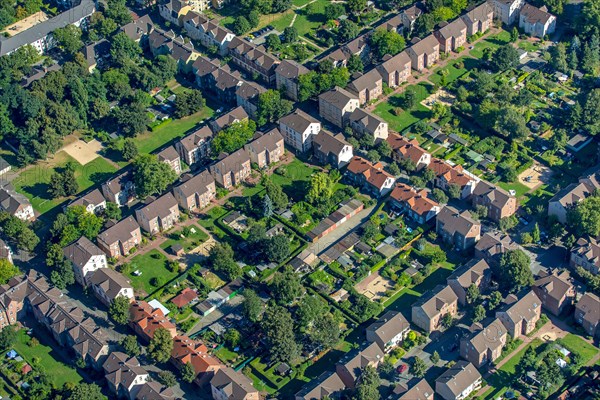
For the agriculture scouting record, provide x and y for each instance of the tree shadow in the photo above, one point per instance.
(40, 189)
(98, 177)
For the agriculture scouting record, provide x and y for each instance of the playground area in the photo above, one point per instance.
(374, 286)
(536, 176)
(26, 23)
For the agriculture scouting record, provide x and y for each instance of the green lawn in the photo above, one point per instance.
(404, 119)
(501, 380)
(152, 265)
(189, 242)
(452, 70)
(529, 46)
(492, 42)
(169, 130)
(577, 345)
(305, 23)
(518, 187)
(279, 21)
(58, 372)
(34, 181)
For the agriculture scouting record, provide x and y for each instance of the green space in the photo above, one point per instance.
(400, 119)
(300, 3)
(529, 46)
(501, 380)
(210, 217)
(267, 374)
(520, 188)
(577, 345)
(492, 42)
(305, 22)
(279, 21)
(454, 70)
(34, 181)
(169, 130)
(41, 355)
(153, 266)
(186, 238)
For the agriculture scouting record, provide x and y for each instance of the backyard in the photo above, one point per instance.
(153, 271)
(34, 181)
(58, 372)
(397, 117)
(189, 238)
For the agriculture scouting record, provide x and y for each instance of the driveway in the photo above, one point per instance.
(326, 242)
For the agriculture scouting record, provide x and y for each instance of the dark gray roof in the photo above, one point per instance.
(41, 30)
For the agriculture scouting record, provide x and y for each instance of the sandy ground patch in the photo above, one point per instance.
(83, 152)
(536, 176)
(205, 247)
(26, 23)
(441, 96)
(374, 286)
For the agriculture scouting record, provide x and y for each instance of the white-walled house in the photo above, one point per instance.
(85, 258)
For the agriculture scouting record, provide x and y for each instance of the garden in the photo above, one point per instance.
(188, 238)
(403, 110)
(150, 271)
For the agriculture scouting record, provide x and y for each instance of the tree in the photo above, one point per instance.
(232, 337)
(590, 111)
(559, 57)
(68, 38)
(241, 25)
(454, 191)
(123, 49)
(86, 391)
(7, 271)
(320, 188)
(62, 275)
(325, 331)
(273, 42)
(188, 103)
(356, 6)
(129, 150)
(473, 294)
(286, 286)
(119, 310)
(253, 19)
(8, 336)
(584, 218)
(535, 233)
(132, 119)
(494, 300)
(511, 123)
(161, 345)
(222, 260)
(271, 107)
(167, 378)
(276, 194)
(447, 320)
(234, 137)
(290, 34)
(188, 373)
(439, 196)
(280, 6)
(267, 206)
(355, 64)
(348, 30)
(277, 248)
(505, 57)
(514, 35)
(435, 357)
(409, 99)
(131, 345)
(384, 149)
(252, 305)
(151, 176)
(367, 387)
(373, 156)
(279, 330)
(418, 367)
(387, 42)
(478, 313)
(309, 308)
(514, 273)
(62, 182)
(333, 11)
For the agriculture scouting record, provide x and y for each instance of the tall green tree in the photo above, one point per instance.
(252, 305)
(286, 286)
(271, 107)
(514, 272)
(161, 345)
(278, 326)
(584, 218)
(7, 271)
(387, 42)
(151, 176)
(119, 310)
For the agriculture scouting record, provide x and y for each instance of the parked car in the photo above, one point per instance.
(402, 368)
